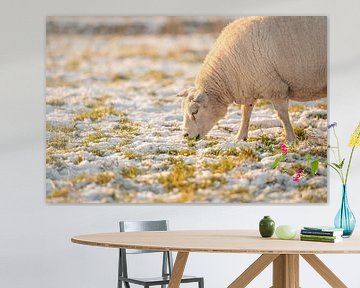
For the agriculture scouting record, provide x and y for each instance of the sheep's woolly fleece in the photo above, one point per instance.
(114, 129)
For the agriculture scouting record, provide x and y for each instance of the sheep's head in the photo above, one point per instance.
(200, 113)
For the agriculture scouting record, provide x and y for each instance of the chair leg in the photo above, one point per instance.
(201, 283)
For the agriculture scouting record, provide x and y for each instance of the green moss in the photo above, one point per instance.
(58, 142)
(191, 142)
(60, 128)
(240, 194)
(60, 82)
(78, 160)
(185, 55)
(120, 77)
(94, 137)
(98, 113)
(315, 198)
(178, 176)
(55, 102)
(174, 152)
(99, 102)
(319, 151)
(261, 103)
(103, 97)
(213, 153)
(296, 108)
(130, 172)
(240, 154)
(232, 151)
(103, 177)
(73, 65)
(156, 75)
(211, 143)
(210, 181)
(223, 166)
(322, 105)
(132, 155)
(267, 144)
(97, 152)
(127, 128)
(60, 193)
(119, 148)
(138, 50)
(53, 159)
(248, 154)
(301, 133)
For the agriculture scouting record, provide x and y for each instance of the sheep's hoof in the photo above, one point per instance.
(240, 139)
(292, 141)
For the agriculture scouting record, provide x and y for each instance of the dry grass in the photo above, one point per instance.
(130, 172)
(97, 114)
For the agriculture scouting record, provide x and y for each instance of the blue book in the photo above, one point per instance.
(322, 231)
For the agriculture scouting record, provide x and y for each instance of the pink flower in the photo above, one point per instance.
(298, 175)
(284, 149)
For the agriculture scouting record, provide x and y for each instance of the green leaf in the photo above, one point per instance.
(314, 167)
(342, 164)
(276, 162)
(336, 165)
(307, 157)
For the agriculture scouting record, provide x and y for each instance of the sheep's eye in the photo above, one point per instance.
(194, 113)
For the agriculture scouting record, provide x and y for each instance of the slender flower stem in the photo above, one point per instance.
(339, 162)
(350, 159)
(338, 145)
(348, 166)
(333, 152)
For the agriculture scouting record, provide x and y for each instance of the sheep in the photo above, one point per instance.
(275, 58)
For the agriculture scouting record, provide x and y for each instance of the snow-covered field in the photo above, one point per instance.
(114, 125)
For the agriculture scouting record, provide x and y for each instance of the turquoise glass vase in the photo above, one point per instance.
(345, 219)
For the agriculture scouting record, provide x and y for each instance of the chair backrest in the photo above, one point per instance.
(134, 226)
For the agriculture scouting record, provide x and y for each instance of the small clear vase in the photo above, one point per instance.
(345, 219)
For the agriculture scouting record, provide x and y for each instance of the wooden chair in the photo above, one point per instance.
(167, 262)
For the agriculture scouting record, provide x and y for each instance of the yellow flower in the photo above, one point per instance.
(355, 138)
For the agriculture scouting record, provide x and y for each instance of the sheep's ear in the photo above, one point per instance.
(201, 98)
(183, 93)
(186, 92)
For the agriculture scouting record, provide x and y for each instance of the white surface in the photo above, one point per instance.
(35, 243)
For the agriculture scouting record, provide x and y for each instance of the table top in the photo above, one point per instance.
(217, 241)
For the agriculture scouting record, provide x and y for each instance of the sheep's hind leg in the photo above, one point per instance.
(246, 110)
(282, 108)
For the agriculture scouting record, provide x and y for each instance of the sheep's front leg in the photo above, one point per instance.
(246, 110)
(282, 108)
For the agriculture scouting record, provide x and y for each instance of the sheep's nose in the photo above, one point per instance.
(186, 135)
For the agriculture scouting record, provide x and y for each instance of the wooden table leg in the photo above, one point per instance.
(324, 271)
(178, 269)
(286, 271)
(253, 270)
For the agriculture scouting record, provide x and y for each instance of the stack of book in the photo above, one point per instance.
(321, 234)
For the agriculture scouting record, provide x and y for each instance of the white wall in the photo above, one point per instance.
(35, 248)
